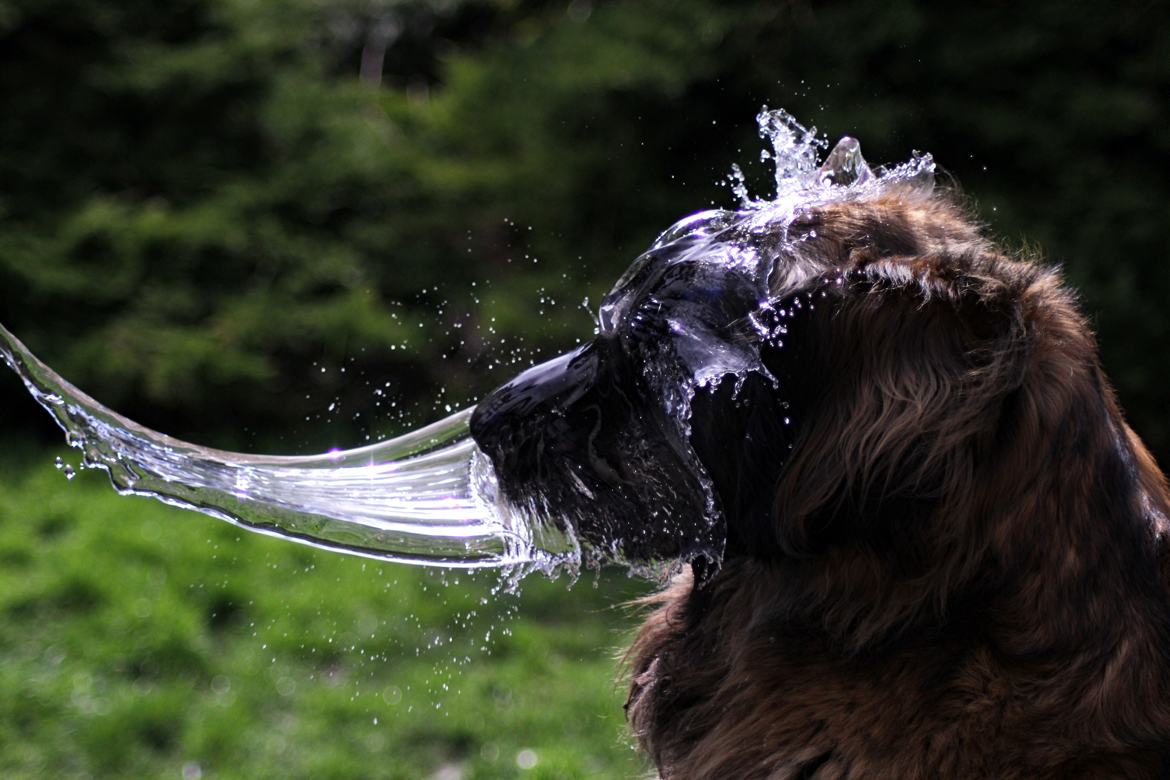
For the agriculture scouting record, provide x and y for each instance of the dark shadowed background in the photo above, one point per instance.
(235, 220)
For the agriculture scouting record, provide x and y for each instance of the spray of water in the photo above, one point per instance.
(430, 497)
(427, 497)
(748, 241)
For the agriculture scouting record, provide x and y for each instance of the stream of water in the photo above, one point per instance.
(429, 497)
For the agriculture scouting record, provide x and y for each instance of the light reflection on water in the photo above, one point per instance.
(430, 497)
(427, 497)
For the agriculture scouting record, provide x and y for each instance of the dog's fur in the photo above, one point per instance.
(938, 550)
(964, 572)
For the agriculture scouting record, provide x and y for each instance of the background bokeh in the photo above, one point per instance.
(235, 220)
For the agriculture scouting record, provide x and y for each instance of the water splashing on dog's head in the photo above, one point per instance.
(601, 438)
(751, 237)
(691, 311)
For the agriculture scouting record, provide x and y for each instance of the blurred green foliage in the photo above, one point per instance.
(203, 203)
(141, 641)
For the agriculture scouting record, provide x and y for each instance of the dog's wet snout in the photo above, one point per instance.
(533, 410)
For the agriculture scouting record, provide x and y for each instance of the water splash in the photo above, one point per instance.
(431, 497)
(749, 240)
(428, 497)
(802, 179)
(704, 303)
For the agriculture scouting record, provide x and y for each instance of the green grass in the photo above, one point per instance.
(144, 641)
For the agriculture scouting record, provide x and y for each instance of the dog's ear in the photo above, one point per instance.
(912, 385)
(959, 443)
(913, 360)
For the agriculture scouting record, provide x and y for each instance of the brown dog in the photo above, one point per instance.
(963, 571)
(924, 542)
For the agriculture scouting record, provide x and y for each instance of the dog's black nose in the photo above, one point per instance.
(536, 405)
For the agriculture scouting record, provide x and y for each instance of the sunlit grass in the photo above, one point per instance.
(144, 641)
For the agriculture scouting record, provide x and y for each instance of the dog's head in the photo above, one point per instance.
(864, 377)
(752, 371)
(602, 438)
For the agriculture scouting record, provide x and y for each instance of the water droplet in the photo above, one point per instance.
(527, 758)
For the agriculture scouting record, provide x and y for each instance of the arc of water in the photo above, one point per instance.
(428, 497)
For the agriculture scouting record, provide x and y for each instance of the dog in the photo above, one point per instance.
(921, 539)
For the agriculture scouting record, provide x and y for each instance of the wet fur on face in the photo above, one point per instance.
(960, 568)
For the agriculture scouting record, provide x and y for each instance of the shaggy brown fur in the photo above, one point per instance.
(965, 574)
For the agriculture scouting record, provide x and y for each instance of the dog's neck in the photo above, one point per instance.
(1069, 643)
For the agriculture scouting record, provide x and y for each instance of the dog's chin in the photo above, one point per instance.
(633, 496)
